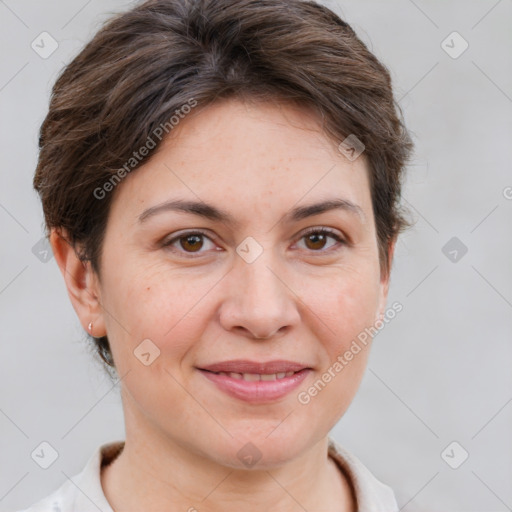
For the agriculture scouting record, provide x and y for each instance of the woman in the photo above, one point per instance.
(220, 184)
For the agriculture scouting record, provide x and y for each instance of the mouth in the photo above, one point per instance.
(256, 382)
(246, 366)
(254, 377)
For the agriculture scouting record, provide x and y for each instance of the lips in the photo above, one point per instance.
(256, 382)
(245, 366)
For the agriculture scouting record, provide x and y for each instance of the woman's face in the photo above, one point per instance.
(255, 287)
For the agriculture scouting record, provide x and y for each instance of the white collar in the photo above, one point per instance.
(84, 493)
(371, 494)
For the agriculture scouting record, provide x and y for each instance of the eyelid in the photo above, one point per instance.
(321, 229)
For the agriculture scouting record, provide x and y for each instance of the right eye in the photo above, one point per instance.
(187, 243)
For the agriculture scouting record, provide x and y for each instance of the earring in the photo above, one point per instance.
(90, 327)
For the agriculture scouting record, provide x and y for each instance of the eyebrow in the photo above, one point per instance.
(216, 214)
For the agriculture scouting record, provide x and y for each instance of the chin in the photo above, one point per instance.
(264, 449)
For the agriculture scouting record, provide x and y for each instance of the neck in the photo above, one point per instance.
(146, 477)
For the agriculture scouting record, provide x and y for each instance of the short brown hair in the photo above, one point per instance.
(144, 64)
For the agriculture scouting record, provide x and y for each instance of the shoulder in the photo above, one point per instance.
(60, 500)
(372, 495)
(82, 492)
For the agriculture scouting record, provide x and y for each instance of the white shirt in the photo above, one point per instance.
(85, 493)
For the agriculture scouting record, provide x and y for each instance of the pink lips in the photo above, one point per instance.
(256, 391)
(247, 366)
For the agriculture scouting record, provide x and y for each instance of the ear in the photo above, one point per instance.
(384, 282)
(82, 283)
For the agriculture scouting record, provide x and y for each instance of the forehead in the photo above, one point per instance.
(259, 156)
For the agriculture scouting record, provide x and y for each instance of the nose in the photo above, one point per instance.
(258, 304)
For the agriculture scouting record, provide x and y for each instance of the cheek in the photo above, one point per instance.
(344, 310)
(345, 306)
(167, 310)
(163, 306)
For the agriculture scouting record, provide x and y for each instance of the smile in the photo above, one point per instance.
(256, 387)
(252, 377)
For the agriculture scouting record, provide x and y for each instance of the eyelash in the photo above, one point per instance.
(321, 231)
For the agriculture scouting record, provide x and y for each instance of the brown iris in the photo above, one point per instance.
(191, 243)
(316, 238)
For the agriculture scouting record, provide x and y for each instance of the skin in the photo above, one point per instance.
(308, 299)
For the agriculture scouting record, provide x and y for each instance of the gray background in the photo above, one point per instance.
(440, 372)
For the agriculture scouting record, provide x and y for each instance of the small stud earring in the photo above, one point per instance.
(90, 327)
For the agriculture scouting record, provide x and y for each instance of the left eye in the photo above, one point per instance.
(318, 236)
